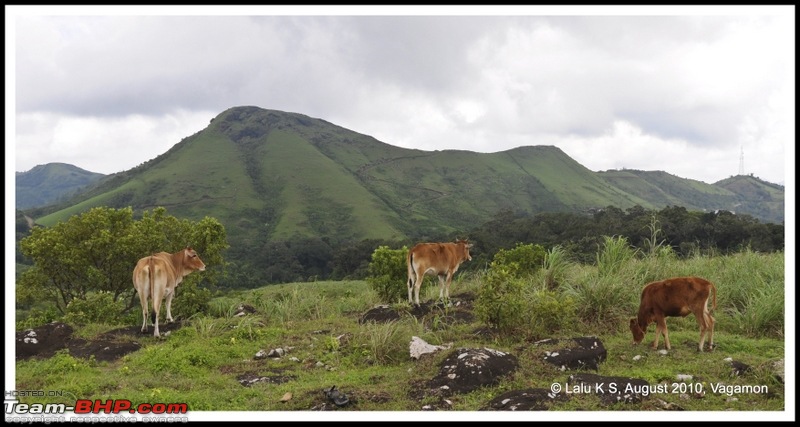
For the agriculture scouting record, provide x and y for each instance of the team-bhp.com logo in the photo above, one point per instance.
(54, 412)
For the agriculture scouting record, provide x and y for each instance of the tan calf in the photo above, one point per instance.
(156, 276)
(440, 259)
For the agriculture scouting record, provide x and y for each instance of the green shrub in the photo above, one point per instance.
(524, 259)
(37, 317)
(98, 307)
(499, 303)
(62, 363)
(388, 274)
(189, 301)
(549, 312)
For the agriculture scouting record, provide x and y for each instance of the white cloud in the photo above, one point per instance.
(100, 144)
(702, 85)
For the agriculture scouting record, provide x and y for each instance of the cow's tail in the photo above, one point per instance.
(714, 303)
(152, 278)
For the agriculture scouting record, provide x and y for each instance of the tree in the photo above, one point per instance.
(97, 250)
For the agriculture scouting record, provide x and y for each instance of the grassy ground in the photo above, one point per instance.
(318, 325)
(199, 364)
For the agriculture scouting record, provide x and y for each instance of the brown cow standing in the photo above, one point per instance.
(158, 275)
(675, 297)
(440, 259)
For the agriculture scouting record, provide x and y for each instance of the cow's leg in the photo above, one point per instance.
(665, 331)
(417, 284)
(143, 300)
(169, 294)
(447, 286)
(410, 284)
(441, 288)
(661, 327)
(710, 325)
(158, 295)
(703, 324)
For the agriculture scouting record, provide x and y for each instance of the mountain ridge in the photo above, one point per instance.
(269, 174)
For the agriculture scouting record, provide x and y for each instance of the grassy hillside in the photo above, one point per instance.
(268, 174)
(50, 183)
(741, 194)
(322, 198)
(756, 197)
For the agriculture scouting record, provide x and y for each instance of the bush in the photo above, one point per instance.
(189, 300)
(37, 317)
(499, 303)
(524, 259)
(387, 274)
(549, 312)
(98, 307)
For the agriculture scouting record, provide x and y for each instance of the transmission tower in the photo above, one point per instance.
(741, 162)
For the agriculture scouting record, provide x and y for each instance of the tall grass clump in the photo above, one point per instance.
(223, 307)
(209, 327)
(656, 245)
(751, 290)
(604, 300)
(737, 275)
(556, 263)
(614, 254)
(356, 298)
(610, 294)
(385, 343)
(763, 314)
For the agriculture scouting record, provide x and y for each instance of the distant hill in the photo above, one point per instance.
(743, 194)
(50, 183)
(271, 175)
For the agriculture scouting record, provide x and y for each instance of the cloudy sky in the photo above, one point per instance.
(683, 90)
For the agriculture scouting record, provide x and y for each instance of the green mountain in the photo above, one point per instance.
(742, 194)
(50, 183)
(272, 175)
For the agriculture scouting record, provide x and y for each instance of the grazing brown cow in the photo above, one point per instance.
(156, 276)
(440, 259)
(675, 297)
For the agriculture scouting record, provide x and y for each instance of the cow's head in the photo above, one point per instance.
(192, 261)
(637, 331)
(466, 245)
